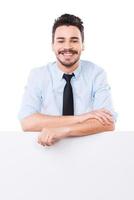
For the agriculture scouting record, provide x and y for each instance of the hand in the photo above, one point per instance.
(102, 115)
(50, 136)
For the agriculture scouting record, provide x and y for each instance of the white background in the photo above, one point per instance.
(25, 43)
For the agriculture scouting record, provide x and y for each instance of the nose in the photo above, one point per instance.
(67, 45)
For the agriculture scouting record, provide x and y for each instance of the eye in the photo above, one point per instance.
(60, 41)
(74, 41)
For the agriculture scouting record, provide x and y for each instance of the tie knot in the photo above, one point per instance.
(68, 77)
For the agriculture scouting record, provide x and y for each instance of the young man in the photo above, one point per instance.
(69, 97)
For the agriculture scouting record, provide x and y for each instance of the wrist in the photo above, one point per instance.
(83, 117)
(66, 131)
(79, 118)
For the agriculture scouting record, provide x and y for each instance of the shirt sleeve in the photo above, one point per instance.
(32, 98)
(102, 93)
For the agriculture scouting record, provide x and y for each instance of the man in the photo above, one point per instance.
(69, 97)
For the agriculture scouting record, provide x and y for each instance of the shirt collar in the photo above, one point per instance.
(58, 74)
(77, 71)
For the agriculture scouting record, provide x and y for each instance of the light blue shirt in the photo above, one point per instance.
(44, 90)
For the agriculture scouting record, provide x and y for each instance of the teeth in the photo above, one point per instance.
(68, 54)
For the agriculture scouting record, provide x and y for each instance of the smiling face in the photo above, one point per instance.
(67, 46)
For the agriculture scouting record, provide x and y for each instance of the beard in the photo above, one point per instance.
(68, 64)
(66, 61)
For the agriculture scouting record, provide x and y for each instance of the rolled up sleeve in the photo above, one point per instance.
(102, 93)
(32, 98)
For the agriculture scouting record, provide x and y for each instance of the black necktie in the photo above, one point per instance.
(68, 104)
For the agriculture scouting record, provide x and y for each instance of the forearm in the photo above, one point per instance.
(37, 122)
(51, 135)
(88, 127)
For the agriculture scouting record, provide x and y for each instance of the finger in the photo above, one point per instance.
(111, 119)
(49, 143)
(43, 144)
(100, 119)
(106, 119)
(46, 140)
(97, 115)
(42, 139)
(50, 140)
(39, 140)
(107, 112)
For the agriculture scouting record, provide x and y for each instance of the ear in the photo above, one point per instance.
(52, 46)
(83, 46)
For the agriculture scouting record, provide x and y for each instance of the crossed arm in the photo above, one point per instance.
(55, 128)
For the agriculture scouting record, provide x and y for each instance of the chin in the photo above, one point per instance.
(68, 64)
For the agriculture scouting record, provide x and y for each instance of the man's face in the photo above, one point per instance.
(67, 45)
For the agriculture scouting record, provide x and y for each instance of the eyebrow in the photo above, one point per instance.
(60, 38)
(75, 38)
(72, 38)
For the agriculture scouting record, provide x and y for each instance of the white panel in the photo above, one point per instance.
(97, 167)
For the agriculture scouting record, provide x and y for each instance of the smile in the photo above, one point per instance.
(68, 52)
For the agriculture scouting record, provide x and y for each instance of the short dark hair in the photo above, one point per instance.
(68, 20)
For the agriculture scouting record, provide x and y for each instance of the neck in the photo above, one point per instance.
(67, 70)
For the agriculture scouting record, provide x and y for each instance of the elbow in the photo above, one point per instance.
(25, 126)
(29, 124)
(25, 129)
